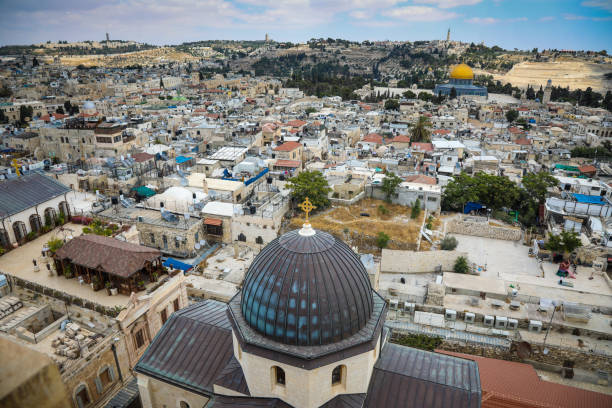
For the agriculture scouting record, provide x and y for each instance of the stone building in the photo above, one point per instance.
(28, 205)
(305, 331)
(462, 80)
(145, 315)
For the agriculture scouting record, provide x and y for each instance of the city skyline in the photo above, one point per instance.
(560, 24)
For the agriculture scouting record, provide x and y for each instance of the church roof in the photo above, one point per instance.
(407, 377)
(307, 290)
(192, 349)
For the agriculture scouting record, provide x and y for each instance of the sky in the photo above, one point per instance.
(522, 24)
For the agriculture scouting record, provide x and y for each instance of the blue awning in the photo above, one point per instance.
(182, 159)
(588, 199)
(173, 263)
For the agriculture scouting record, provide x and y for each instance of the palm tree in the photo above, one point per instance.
(420, 130)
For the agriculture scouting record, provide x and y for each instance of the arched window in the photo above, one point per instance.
(50, 215)
(183, 404)
(242, 237)
(64, 209)
(20, 231)
(5, 242)
(81, 396)
(338, 375)
(259, 240)
(279, 375)
(106, 376)
(35, 223)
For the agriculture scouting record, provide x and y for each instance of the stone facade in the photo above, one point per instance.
(142, 318)
(306, 388)
(154, 393)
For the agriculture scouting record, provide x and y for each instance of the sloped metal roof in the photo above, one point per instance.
(19, 194)
(406, 377)
(191, 349)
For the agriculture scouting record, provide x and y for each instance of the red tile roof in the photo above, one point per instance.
(514, 130)
(424, 147)
(287, 163)
(373, 138)
(587, 168)
(213, 221)
(142, 157)
(510, 384)
(296, 123)
(441, 132)
(421, 178)
(287, 147)
(524, 142)
(401, 139)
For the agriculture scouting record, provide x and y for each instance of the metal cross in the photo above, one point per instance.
(16, 166)
(307, 207)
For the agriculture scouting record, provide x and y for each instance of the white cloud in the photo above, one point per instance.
(574, 17)
(419, 13)
(448, 3)
(483, 20)
(517, 19)
(602, 4)
(360, 14)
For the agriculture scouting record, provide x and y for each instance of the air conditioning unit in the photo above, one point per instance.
(409, 307)
(489, 320)
(512, 324)
(393, 304)
(535, 326)
(450, 314)
(469, 317)
(501, 322)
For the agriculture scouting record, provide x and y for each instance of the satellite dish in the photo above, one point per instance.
(197, 246)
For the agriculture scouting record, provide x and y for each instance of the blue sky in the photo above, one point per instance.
(523, 24)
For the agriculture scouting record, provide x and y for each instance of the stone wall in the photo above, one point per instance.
(483, 229)
(396, 261)
(556, 356)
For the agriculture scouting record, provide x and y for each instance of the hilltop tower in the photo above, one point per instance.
(547, 92)
(448, 35)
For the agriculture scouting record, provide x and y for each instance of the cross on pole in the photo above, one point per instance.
(307, 207)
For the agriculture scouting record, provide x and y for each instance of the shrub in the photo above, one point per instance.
(382, 240)
(461, 265)
(382, 209)
(449, 243)
(419, 341)
(416, 209)
(55, 244)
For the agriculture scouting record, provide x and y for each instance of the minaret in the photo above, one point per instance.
(547, 92)
(448, 35)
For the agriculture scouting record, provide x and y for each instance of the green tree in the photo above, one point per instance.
(60, 110)
(537, 184)
(495, 192)
(409, 95)
(3, 117)
(420, 130)
(570, 240)
(161, 83)
(511, 115)
(425, 96)
(453, 93)
(310, 110)
(448, 243)
(310, 184)
(391, 104)
(389, 185)
(415, 211)
(382, 240)
(55, 244)
(461, 265)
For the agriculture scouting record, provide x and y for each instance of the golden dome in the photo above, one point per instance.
(462, 71)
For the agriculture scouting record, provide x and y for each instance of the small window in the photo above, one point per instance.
(242, 237)
(183, 404)
(105, 378)
(164, 316)
(82, 397)
(152, 237)
(259, 240)
(337, 375)
(139, 338)
(176, 304)
(280, 375)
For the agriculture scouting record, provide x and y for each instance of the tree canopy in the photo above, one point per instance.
(536, 184)
(511, 115)
(420, 130)
(392, 104)
(310, 184)
(389, 185)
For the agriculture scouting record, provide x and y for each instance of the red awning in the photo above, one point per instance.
(213, 221)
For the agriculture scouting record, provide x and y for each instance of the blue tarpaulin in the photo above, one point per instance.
(173, 263)
(182, 159)
(588, 199)
(471, 206)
